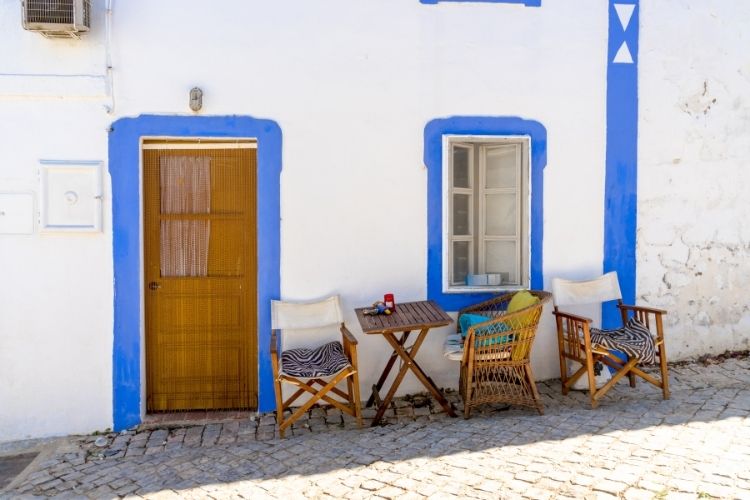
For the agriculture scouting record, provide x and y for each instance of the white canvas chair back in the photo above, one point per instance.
(585, 297)
(307, 324)
(596, 291)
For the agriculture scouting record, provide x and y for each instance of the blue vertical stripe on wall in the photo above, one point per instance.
(433, 160)
(124, 168)
(621, 178)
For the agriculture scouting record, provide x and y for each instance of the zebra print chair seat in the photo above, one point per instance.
(641, 337)
(314, 352)
(324, 361)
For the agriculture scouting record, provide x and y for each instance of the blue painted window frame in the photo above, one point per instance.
(124, 167)
(527, 3)
(433, 160)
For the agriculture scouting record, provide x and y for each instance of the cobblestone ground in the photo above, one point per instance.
(635, 445)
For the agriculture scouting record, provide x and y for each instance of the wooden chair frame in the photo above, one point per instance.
(497, 370)
(350, 405)
(574, 342)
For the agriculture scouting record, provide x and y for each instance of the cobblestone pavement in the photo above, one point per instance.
(635, 445)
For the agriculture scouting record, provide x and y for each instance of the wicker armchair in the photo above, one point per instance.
(495, 366)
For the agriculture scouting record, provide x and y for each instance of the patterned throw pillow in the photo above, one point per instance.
(634, 339)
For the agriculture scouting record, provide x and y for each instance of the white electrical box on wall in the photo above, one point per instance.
(71, 196)
(16, 213)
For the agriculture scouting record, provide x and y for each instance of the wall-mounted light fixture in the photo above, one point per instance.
(196, 99)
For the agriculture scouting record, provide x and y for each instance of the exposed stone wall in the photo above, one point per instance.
(694, 172)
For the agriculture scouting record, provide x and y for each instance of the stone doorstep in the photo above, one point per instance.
(190, 419)
(178, 420)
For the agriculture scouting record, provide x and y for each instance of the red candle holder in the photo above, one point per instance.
(389, 301)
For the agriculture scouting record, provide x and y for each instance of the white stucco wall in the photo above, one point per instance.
(694, 140)
(56, 289)
(352, 86)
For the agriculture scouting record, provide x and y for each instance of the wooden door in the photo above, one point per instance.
(200, 276)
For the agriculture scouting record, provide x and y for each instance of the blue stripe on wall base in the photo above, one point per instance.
(124, 168)
(433, 160)
(621, 177)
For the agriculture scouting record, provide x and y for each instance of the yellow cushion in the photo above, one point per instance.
(522, 300)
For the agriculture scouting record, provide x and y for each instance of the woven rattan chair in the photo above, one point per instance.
(495, 366)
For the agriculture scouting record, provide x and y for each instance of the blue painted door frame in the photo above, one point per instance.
(124, 167)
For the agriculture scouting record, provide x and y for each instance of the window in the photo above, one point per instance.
(486, 233)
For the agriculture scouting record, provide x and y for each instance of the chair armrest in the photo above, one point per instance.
(274, 344)
(573, 317)
(347, 336)
(650, 310)
(274, 354)
(644, 314)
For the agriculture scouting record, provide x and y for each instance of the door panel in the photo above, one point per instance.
(200, 278)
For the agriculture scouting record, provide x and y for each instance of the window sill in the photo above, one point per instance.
(483, 289)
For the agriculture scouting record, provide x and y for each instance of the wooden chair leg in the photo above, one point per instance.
(561, 355)
(631, 377)
(664, 372)
(564, 380)
(317, 396)
(534, 392)
(279, 406)
(592, 380)
(467, 393)
(356, 401)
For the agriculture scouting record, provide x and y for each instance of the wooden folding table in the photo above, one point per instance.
(408, 317)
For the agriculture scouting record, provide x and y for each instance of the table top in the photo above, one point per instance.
(407, 316)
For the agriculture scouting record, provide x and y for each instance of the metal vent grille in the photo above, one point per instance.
(57, 17)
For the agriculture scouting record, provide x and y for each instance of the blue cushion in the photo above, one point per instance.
(466, 321)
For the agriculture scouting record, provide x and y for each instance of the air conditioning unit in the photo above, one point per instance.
(57, 18)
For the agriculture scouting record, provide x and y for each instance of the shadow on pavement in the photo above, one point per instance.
(633, 430)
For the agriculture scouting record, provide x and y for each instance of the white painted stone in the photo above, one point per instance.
(702, 319)
(676, 280)
(652, 232)
(693, 109)
(676, 253)
(699, 234)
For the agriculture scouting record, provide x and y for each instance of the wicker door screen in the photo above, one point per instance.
(200, 276)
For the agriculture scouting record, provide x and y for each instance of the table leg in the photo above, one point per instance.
(397, 349)
(386, 371)
(409, 362)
